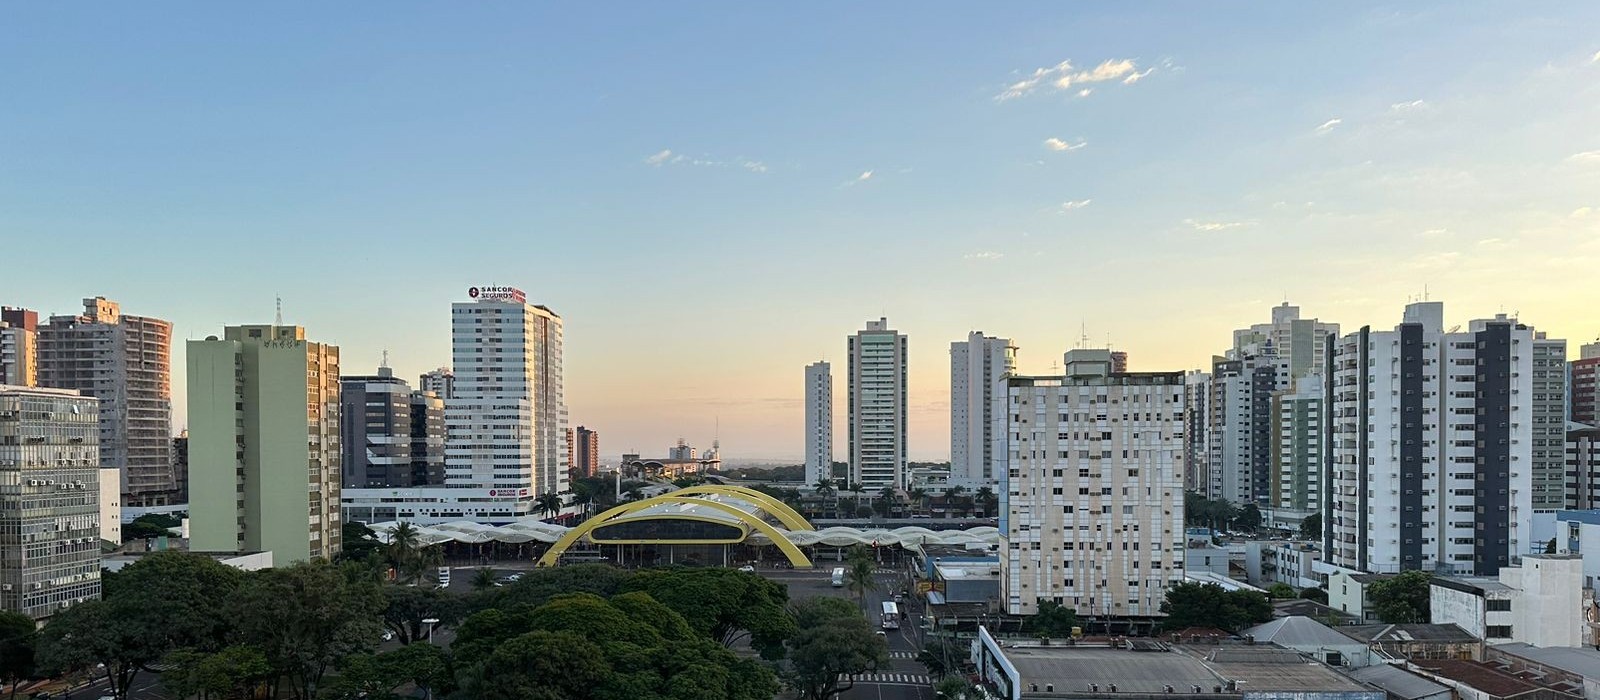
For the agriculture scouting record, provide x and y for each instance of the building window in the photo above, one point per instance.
(1498, 605)
(1499, 631)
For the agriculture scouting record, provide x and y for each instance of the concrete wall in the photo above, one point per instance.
(1549, 611)
(213, 463)
(276, 451)
(1450, 606)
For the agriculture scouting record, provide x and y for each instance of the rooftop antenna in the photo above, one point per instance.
(385, 363)
(1424, 291)
(1083, 335)
(280, 311)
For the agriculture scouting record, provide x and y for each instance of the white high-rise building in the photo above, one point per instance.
(1432, 461)
(506, 423)
(1091, 510)
(1299, 342)
(877, 378)
(977, 366)
(819, 422)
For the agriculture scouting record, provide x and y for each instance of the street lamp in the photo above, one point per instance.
(430, 622)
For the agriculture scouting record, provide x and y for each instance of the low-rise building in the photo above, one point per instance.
(1417, 641)
(1313, 639)
(1473, 680)
(1347, 592)
(1539, 602)
(1270, 561)
(1575, 670)
(1402, 684)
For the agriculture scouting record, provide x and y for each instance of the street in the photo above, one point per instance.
(905, 678)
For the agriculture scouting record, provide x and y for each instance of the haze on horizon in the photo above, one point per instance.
(712, 197)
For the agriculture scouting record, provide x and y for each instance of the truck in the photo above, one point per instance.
(838, 577)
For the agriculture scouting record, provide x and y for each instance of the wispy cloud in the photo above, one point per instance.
(1407, 106)
(983, 255)
(1581, 212)
(1435, 233)
(1329, 125)
(1595, 58)
(1058, 145)
(666, 157)
(1085, 92)
(864, 177)
(1209, 226)
(1064, 75)
(1070, 205)
(1585, 157)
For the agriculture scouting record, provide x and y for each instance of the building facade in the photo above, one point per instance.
(507, 423)
(819, 422)
(978, 366)
(1431, 461)
(390, 436)
(1540, 602)
(49, 500)
(264, 447)
(877, 389)
(125, 362)
(1583, 467)
(19, 346)
(1297, 447)
(587, 451)
(1092, 489)
(1300, 342)
(1241, 425)
(442, 382)
(1549, 423)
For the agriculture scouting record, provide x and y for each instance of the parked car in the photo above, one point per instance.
(748, 569)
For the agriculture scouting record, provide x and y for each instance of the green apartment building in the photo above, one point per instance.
(264, 444)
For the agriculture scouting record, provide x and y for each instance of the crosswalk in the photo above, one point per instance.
(902, 655)
(896, 678)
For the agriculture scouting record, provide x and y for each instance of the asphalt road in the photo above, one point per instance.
(905, 678)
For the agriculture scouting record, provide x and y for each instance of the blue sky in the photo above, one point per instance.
(687, 184)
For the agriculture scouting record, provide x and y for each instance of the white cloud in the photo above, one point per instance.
(754, 166)
(1058, 145)
(1581, 212)
(1063, 75)
(863, 177)
(1085, 92)
(984, 255)
(1209, 226)
(1137, 76)
(1074, 204)
(667, 157)
(1585, 157)
(659, 158)
(857, 180)
(1435, 232)
(1329, 125)
(1595, 58)
(1407, 106)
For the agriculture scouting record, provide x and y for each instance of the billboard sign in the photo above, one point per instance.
(496, 293)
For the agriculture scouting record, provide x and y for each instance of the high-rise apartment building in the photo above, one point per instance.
(391, 436)
(1119, 361)
(1197, 475)
(1584, 391)
(1301, 343)
(1240, 426)
(19, 346)
(877, 388)
(978, 365)
(587, 451)
(819, 422)
(125, 362)
(1549, 423)
(1298, 446)
(442, 382)
(264, 448)
(507, 421)
(1091, 512)
(1583, 463)
(1431, 461)
(49, 500)
(180, 466)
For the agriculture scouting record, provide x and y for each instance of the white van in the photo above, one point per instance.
(838, 577)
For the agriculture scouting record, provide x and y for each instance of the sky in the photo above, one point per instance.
(713, 195)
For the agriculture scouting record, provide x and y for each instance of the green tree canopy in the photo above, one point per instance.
(1403, 598)
(1052, 620)
(832, 643)
(1209, 605)
(234, 673)
(1280, 591)
(18, 643)
(858, 574)
(1248, 519)
(724, 605)
(405, 608)
(1311, 527)
(306, 617)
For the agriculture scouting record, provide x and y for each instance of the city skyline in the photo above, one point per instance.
(194, 165)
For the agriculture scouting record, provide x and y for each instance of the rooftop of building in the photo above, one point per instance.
(18, 388)
(1370, 578)
(969, 570)
(1219, 580)
(1582, 661)
(1260, 668)
(1478, 675)
(1398, 682)
(1476, 585)
(1312, 609)
(1407, 633)
(1073, 669)
(1297, 631)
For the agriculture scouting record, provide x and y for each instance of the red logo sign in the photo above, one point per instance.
(472, 292)
(491, 492)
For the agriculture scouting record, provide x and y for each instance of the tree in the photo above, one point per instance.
(1316, 594)
(1311, 527)
(1402, 598)
(379, 676)
(1052, 620)
(483, 578)
(541, 665)
(857, 488)
(941, 656)
(234, 673)
(858, 574)
(864, 511)
(305, 618)
(633, 494)
(405, 608)
(832, 643)
(919, 498)
(409, 556)
(18, 642)
(111, 635)
(1248, 519)
(987, 500)
(1550, 547)
(954, 689)
(723, 605)
(548, 503)
(1280, 591)
(359, 542)
(1191, 604)
(824, 487)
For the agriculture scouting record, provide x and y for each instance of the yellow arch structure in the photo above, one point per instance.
(553, 555)
(776, 508)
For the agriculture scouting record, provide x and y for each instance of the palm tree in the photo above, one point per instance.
(858, 574)
(405, 541)
(890, 498)
(988, 500)
(919, 496)
(548, 503)
(633, 494)
(857, 488)
(952, 495)
(824, 487)
(483, 578)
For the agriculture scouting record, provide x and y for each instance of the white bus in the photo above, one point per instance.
(838, 577)
(891, 615)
